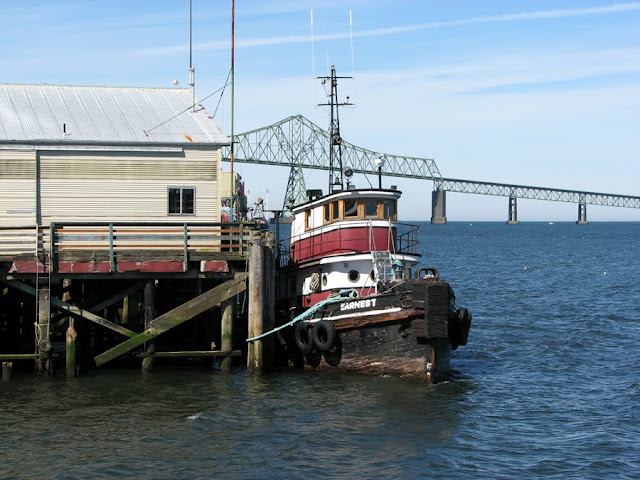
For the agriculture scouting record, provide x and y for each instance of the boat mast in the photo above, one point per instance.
(336, 177)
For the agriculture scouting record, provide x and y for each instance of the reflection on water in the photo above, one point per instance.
(204, 425)
(546, 388)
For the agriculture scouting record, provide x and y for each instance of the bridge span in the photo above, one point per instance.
(299, 144)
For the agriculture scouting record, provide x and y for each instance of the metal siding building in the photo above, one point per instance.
(89, 154)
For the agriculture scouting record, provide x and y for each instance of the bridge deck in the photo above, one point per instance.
(297, 143)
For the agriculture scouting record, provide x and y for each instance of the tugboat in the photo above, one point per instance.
(346, 280)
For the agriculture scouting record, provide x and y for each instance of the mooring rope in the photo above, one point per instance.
(341, 297)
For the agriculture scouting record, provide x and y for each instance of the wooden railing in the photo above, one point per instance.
(112, 240)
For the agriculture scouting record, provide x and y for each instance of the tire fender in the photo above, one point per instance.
(303, 337)
(323, 334)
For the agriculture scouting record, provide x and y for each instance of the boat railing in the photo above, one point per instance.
(407, 238)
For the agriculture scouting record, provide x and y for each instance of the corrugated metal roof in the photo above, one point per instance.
(41, 113)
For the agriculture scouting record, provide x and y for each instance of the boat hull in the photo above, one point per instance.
(408, 331)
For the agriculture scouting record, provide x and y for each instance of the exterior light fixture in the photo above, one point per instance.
(379, 161)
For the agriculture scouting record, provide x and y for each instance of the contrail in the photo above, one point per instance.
(503, 18)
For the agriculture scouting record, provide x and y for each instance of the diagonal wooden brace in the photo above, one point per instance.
(73, 310)
(177, 316)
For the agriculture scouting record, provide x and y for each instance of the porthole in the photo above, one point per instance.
(324, 280)
(354, 276)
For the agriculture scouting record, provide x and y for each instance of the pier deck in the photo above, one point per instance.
(125, 284)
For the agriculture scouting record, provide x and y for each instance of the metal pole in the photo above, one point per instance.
(192, 72)
(233, 12)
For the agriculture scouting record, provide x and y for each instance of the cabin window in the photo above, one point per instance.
(350, 208)
(335, 211)
(370, 208)
(389, 207)
(307, 215)
(327, 213)
(182, 201)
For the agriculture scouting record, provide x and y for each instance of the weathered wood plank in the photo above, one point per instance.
(18, 356)
(177, 316)
(73, 310)
(190, 354)
(116, 298)
(378, 319)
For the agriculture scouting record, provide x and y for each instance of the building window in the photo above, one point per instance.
(182, 201)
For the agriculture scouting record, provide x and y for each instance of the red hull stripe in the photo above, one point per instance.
(343, 240)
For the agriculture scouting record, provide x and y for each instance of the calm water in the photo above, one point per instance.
(548, 386)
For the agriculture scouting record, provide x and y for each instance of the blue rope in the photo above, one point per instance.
(342, 296)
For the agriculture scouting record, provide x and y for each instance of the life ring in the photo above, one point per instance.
(323, 334)
(302, 336)
(314, 282)
(427, 273)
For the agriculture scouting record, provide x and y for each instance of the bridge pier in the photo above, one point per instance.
(582, 214)
(439, 207)
(513, 211)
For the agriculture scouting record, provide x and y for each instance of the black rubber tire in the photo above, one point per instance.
(313, 358)
(465, 320)
(303, 337)
(323, 334)
(334, 354)
(454, 329)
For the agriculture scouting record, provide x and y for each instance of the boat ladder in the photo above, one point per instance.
(382, 263)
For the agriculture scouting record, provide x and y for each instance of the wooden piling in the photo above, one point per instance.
(43, 363)
(125, 311)
(177, 316)
(71, 350)
(149, 315)
(228, 316)
(261, 264)
(147, 361)
(7, 368)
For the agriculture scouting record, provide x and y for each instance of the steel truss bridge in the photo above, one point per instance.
(299, 144)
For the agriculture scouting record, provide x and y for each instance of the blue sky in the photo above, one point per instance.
(543, 93)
